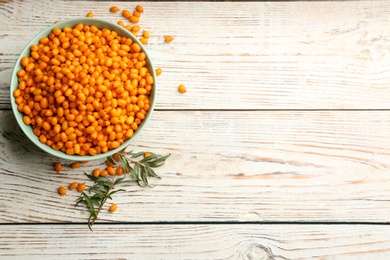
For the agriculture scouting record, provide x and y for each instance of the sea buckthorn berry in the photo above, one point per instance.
(158, 71)
(113, 208)
(81, 187)
(135, 28)
(104, 173)
(147, 154)
(134, 19)
(108, 163)
(25, 61)
(75, 165)
(89, 14)
(111, 170)
(182, 88)
(62, 191)
(169, 38)
(146, 34)
(119, 171)
(116, 157)
(126, 14)
(114, 9)
(137, 14)
(139, 8)
(96, 172)
(58, 167)
(143, 40)
(73, 185)
(135, 47)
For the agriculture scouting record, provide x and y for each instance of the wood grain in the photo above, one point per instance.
(237, 166)
(286, 120)
(261, 242)
(262, 55)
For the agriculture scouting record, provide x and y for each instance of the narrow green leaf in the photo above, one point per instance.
(150, 158)
(111, 160)
(143, 174)
(115, 191)
(136, 172)
(128, 168)
(125, 164)
(157, 163)
(128, 181)
(152, 173)
(90, 223)
(89, 204)
(90, 176)
(136, 155)
(119, 181)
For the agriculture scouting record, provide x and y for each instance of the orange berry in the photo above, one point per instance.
(182, 88)
(108, 163)
(147, 154)
(139, 8)
(168, 38)
(58, 167)
(104, 173)
(143, 40)
(73, 185)
(126, 14)
(113, 207)
(62, 191)
(81, 187)
(75, 165)
(111, 170)
(119, 171)
(114, 9)
(96, 172)
(134, 19)
(116, 157)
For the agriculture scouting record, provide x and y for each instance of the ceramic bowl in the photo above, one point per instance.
(28, 131)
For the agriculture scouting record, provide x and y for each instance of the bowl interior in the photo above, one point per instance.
(100, 23)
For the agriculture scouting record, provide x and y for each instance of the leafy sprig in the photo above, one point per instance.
(136, 170)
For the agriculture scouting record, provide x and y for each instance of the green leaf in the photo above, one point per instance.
(90, 176)
(158, 162)
(144, 176)
(79, 200)
(119, 181)
(125, 164)
(90, 222)
(89, 204)
(150, 158)
(111, 160)
(152, 173)
(115, 191)
(136, 172)
(136, 155)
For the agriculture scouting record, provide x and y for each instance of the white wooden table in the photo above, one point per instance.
(280, 147)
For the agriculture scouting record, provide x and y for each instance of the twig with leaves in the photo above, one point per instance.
(104, 187)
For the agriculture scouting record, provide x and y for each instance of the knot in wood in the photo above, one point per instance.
(256, 252)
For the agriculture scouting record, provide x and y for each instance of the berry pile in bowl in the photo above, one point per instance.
(83, 89)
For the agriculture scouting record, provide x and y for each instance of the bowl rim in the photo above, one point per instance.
(71, 22)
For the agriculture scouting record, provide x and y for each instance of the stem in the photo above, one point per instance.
(102, 203)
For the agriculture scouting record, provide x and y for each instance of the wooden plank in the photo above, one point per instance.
(225, 166)
(196, 242)
(262, 55)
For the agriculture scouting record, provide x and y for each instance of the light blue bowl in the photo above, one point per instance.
(100, 23)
